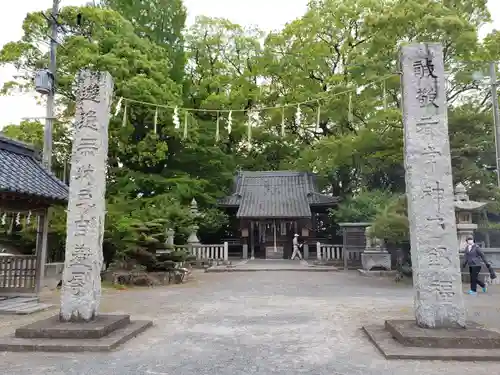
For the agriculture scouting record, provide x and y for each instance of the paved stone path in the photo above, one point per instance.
(254, 323)
(271, 265)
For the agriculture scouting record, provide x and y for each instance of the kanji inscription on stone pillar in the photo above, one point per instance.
(81, 283)
(429, 189)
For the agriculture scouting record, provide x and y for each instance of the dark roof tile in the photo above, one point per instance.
(21, 172)
(284, 194)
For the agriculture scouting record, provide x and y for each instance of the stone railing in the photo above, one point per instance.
(336, 253)
(219, 252)
(211, 252)
(327, 252)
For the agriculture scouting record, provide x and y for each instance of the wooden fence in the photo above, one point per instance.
(335, 253)
(17, 274)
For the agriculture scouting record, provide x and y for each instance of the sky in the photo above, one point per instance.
(267, 14)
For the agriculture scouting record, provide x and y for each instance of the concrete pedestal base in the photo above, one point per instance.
(403, 339)
(105, 333)
(380, 259)
(378, 273)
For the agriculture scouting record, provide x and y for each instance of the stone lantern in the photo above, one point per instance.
(193, 237)
(375, 255)
(464, 208)
(170, 233)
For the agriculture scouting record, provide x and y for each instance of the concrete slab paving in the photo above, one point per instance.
(254, 323)
(21, 305)
(259, 265)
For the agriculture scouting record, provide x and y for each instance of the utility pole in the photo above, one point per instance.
(43, 219)
(496, 115)
(49, 120)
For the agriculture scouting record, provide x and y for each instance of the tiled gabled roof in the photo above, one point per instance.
(283, 194)
(21, 172)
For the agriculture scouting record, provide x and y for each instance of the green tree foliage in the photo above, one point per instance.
(363, 207)
(160, 21)
(31, 132)
(391, 222)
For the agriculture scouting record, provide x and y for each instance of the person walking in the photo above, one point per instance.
(474, 258)
(296, 249)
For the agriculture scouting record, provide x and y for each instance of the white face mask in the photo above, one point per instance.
(470, 242)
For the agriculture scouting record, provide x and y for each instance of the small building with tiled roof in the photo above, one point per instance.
(27, 189)
(23, 178)
(273, 206)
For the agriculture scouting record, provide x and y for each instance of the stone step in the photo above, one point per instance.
(17, 301)
(104, 344)
(25, 308)
(19, 306)
(268, 269)
(33, 309)
(53, 328)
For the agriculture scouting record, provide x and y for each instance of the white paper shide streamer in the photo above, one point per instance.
(229, 122)
(318, 119)
(118, 106)
(283, 121)
(155, 124)
(350, 115)
(185, 134)
(217, 129)
(298, 116)
(175, 118)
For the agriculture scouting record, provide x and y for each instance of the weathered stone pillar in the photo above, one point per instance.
(429, 189)
(81, 282)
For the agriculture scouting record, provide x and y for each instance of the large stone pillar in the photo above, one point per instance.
(81, 282)
(429, 189)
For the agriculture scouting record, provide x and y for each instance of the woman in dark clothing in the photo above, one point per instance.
(474, 258)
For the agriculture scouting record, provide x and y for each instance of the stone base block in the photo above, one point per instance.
(473, 337)
(405, 340)
(370, 260)
(53, 328)
(105, 333)
(331, 263)
(378, 273)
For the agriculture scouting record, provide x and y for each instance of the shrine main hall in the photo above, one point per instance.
(267, 208)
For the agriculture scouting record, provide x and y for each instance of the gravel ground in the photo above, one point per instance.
(254, 323)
